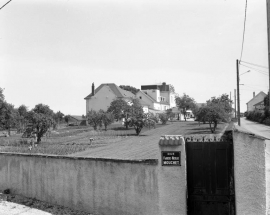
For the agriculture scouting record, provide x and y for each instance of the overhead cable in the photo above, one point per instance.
(5, 4)
(244, 32)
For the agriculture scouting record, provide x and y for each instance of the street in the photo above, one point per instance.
(256, 128)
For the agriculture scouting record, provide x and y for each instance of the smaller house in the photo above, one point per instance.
(77, 120)
(259, 105)
(255, 100)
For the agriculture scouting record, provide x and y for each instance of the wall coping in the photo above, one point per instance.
(239, 130)
(141, 161)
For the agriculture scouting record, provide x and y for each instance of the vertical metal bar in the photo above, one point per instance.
(235, 103)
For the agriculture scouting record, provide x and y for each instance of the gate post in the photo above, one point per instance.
(172, 175)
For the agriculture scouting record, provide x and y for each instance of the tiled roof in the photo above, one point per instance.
(120, 93)
(257, 95)
(79, 118)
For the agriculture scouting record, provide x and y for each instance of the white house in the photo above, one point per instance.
(255, 100)
(102, 97)
(158, 97)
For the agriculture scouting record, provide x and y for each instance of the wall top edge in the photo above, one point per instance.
(250, 134)
(141, 161)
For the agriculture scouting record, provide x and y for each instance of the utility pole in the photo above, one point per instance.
(235, 103)
(238, 94)
(268, 36)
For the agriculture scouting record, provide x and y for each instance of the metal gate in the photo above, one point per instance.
(210, 177)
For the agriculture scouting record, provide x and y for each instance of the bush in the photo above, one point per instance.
(164, 118)
(267, 121)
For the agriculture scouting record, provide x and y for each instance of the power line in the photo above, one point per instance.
(244, 31)
(257, 70)
(5, 4)
(255, 64)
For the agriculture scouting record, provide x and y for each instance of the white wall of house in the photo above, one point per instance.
(259, 97)
(101, 100)
(155, 94)
(141, 96)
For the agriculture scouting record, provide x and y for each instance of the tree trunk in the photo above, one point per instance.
(211, 127)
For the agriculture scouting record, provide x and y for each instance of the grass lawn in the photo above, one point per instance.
(74, 139)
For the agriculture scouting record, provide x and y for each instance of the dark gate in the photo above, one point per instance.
(210, 177)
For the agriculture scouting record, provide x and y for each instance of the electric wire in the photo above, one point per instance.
(5, 4)
(257, 70)
(254, 64)
(244, 32)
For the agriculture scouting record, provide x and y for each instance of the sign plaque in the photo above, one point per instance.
(172, 158)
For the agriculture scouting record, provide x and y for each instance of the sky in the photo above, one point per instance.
(52, 51)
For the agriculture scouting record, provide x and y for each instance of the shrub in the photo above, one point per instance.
(267, 121)
(164, 118)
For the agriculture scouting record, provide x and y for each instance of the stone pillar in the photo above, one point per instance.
(172, 178)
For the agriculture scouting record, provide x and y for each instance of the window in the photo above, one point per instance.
(140, 97)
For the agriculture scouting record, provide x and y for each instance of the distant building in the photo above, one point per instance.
(77, 120)
(255, 100)
(259, 105)
(102, 97)
(158, 97)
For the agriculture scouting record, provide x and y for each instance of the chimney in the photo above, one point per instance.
(253, 94)
(163, 86)
(93, 89)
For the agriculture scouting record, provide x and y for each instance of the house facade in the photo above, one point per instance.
(259, 106)
(158, 97)
(102, 97)
(255, 100)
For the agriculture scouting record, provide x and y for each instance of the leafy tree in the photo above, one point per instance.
(171, 88)
(22, 111)
(40, 119)
(170, 114)
(129, 88)
(94, 118)
(44, 109)
(107, 118)
(66, 118)
(2, 97)
(120, 109)
(185, 103)
(8, 116)
(137, 122)
(58, 117)
(164, 118)
(216, 110)
(266, 101)
(40, 123)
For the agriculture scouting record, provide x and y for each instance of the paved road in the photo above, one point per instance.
(256, 128)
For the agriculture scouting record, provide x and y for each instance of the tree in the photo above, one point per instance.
(22, 111)
(120, 109)
(94, 118)
(185, 103)
(164, 118)
(66, 118)
(40, 119)
(8, 116)
(129, 88)
(107, 118)
(58, 117)
(2, 97)
(171, 88)
(216, 110)
(170, 114)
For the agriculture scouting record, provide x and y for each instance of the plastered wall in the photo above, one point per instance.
(267, 172)
(250, 174)
(96, 186)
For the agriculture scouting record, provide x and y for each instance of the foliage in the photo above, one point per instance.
(185, 103)
(8, 116)
(22, 113)
(171, 88)
(58, 117)
(129, 88)
(216, 110)
(66, 118)
(40, 120)
(107, 118)
(119, 108)
(94, 118)
(137, 122)
(2, 97)
(258, 116)
(40, 123)
(43, 109)
(170, 114)
(164, 118)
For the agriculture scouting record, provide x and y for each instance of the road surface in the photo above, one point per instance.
(256, 128)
